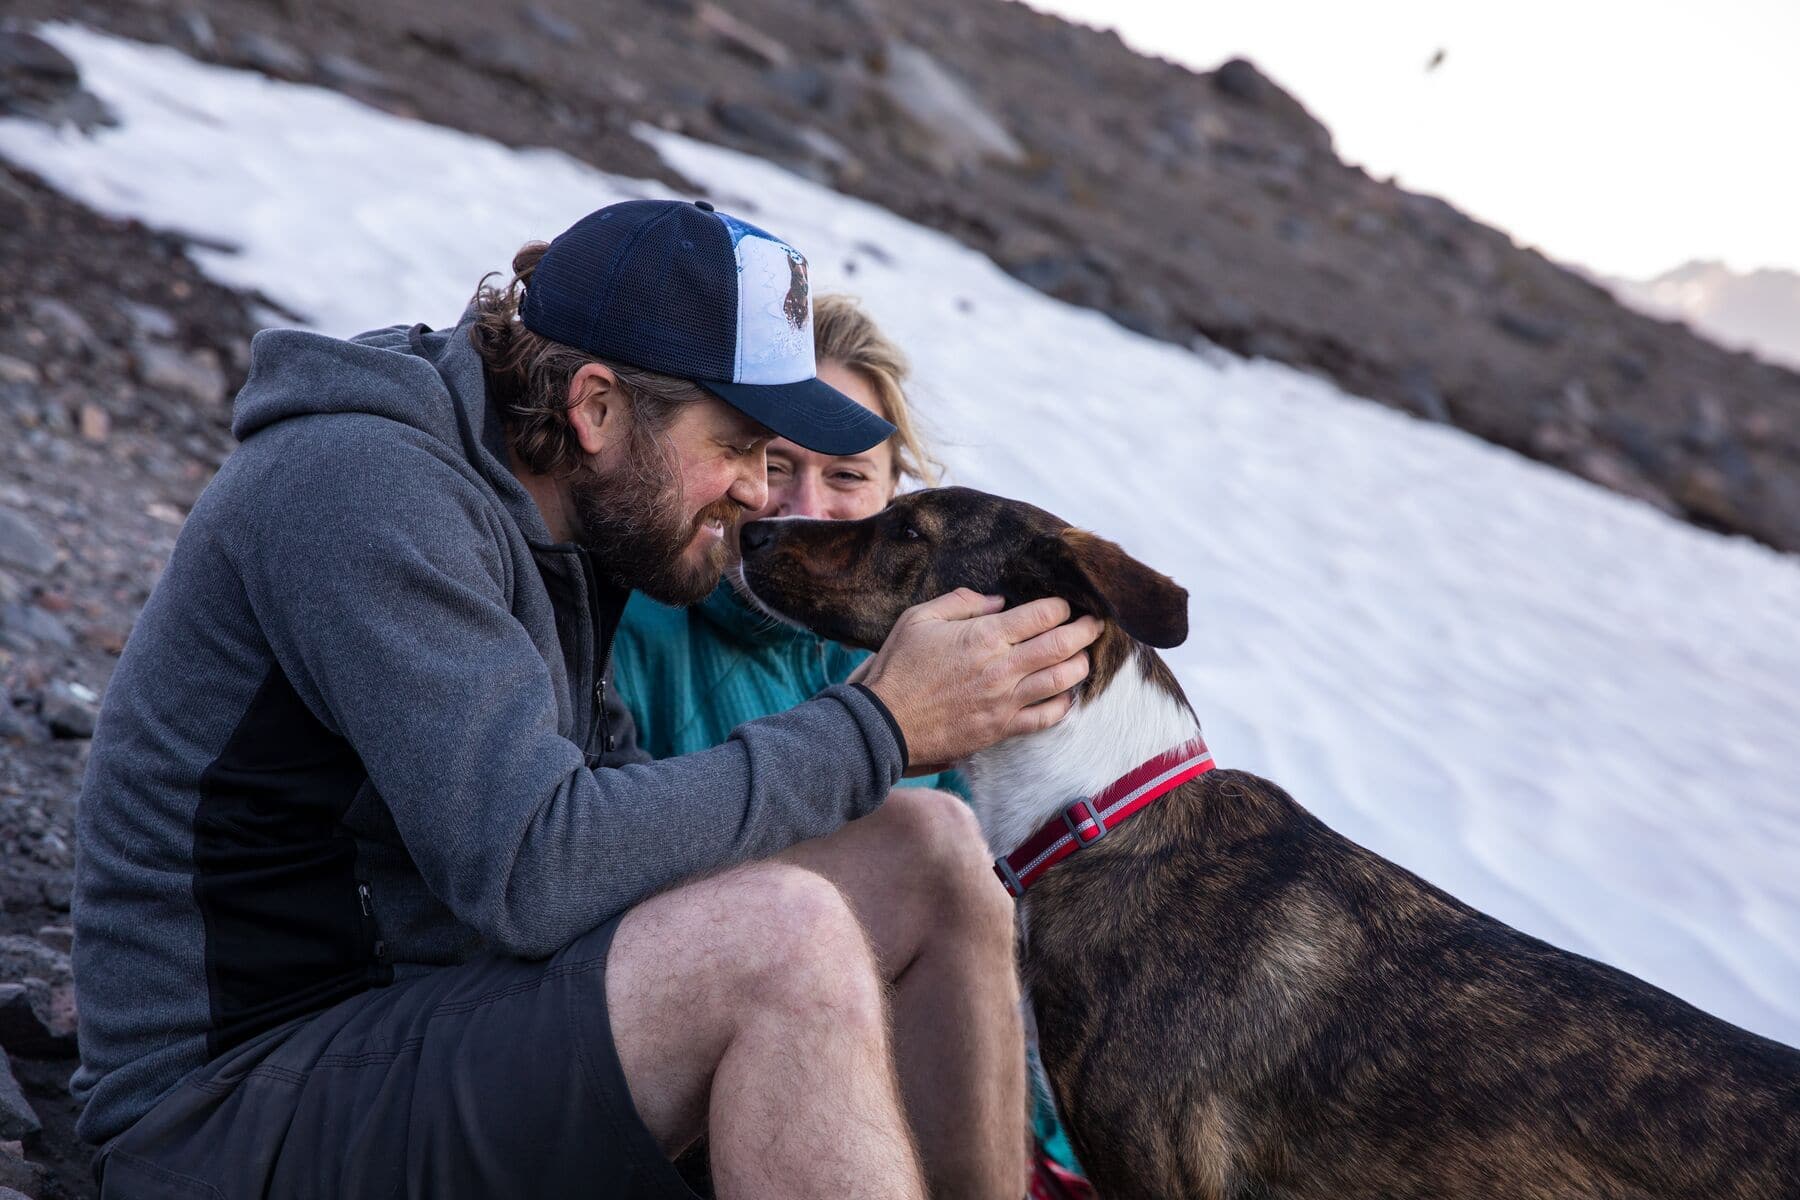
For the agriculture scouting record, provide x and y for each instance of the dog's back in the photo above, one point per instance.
(1237, 1001)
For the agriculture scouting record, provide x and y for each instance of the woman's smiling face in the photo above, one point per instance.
(845, 487)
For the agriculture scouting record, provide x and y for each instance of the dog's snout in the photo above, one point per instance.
(757, 535)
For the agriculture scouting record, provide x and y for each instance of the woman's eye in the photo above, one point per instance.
(849, 477)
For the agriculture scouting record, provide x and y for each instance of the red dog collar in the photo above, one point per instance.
(1089, 819)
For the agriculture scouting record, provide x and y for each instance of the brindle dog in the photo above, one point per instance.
(1234, 1001)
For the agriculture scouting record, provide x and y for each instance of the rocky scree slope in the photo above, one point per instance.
(117, 359)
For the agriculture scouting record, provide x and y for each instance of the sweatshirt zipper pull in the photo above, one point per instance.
(607, 741)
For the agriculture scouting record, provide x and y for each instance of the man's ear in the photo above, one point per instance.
(598, 411)
(1095, 576)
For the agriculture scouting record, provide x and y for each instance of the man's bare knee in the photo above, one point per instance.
(942, 836)
(769, 947)
(803, 948)
(744, 933)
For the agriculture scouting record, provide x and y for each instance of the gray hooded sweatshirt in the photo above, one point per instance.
(362, 729)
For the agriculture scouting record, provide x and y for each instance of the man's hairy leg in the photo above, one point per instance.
(917, 873)
(748, 1006)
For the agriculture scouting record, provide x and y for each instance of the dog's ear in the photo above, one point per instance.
(1095, 576)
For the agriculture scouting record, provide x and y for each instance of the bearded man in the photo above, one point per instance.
(376, 896)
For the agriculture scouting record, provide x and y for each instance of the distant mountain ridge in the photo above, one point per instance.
(1758, 311)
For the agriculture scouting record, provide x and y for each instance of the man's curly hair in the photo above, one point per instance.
(529, 375)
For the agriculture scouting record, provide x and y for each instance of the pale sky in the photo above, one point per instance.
(1627, 137)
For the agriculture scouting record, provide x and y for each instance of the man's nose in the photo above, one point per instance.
(756, 535)
(751, 490)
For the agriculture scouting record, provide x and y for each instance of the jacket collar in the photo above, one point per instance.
(733, 616)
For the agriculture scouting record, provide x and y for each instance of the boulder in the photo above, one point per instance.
(37, 1001)
(26, 626)
(60, 938)
(17, 1118)
(16, 725)
(740, 37)
(271, 56)
(562, 32)
(22, 546)
(24, 1030)
(26, 55)
(69, 709)
(66, 329)
(960, 131)
(195, 374)
(1239, 80)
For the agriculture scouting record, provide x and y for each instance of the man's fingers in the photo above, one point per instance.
(1040, 716)
(1052, 680)
(1025, 622)
(1058, 644)
(959, 605)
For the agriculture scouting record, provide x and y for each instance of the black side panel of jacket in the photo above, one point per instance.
(286, 930)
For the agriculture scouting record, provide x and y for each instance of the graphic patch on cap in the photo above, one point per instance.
(775, 333)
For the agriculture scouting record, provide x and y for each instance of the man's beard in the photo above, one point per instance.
(631, 522)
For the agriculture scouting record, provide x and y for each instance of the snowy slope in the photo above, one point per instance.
(1567, 709)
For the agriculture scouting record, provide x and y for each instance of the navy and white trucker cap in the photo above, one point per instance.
(678, 288)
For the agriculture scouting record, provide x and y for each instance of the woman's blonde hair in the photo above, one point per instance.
(843, 332)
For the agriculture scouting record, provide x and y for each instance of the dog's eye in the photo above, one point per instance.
(909, 533)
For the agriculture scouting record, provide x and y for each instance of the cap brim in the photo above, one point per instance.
(814, 414)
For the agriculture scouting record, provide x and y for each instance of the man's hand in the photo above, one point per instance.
(959, 675)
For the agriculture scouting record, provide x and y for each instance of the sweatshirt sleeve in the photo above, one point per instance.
(382, 587)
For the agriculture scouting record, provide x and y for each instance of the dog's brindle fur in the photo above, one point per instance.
(1234, 1001)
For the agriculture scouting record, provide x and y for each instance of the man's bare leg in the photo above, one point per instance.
(917, 873)
(748, 1006)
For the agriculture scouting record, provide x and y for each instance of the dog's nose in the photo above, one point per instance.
(756, 535)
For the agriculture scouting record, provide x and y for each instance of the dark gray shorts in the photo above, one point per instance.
(493, 1079)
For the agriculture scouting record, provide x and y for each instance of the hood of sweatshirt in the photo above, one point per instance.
(429, 380)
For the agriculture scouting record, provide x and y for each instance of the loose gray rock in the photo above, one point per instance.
(25, 1026)
(196, 374)
(199, 29)
(22, 546)
(740, 37)
(16, 725)
(271, 56)
(769, 131)
(24, 957)
(60, 938)
(342, 71)
(62, 324)
(804, 84)
(17, 1118)
(69, 709)
(27, 625)
(1530, 328)
(962, 128)
(553, 27)
(27, 54)
(148, 320)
